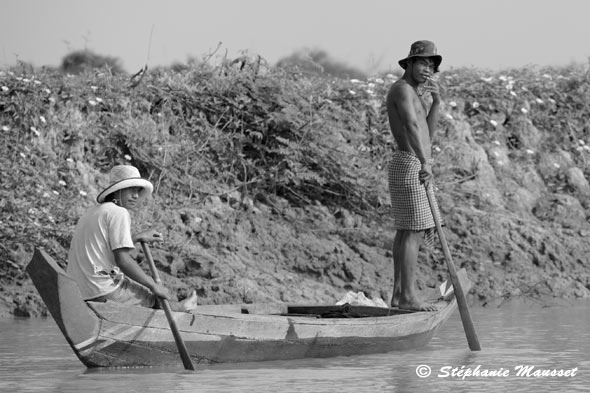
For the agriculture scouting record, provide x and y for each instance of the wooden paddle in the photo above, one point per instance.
(458, 290)
(186, 360)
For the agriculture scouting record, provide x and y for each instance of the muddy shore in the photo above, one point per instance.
(314, 223)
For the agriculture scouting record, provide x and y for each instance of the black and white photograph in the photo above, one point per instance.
(310, 196)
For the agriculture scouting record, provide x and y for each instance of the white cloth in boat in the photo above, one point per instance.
(359, 299)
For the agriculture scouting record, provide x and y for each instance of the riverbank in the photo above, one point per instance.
(270, 184)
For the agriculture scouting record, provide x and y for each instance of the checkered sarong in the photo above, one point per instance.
(409, 203)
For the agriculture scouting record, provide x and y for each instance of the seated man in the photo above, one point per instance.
(99, 258)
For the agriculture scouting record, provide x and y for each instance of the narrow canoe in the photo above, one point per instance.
(108, 334)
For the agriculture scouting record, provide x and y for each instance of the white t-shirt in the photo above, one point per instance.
(91, 260)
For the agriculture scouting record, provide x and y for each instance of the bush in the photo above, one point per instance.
(319, 62)
(83, 60)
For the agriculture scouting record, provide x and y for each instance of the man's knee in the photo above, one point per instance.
(411, 236)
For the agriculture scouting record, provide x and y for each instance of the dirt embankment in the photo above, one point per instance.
(514, 202)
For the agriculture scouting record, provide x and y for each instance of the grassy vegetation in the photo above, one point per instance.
(269, 133)
(204, 131)
(554, 100)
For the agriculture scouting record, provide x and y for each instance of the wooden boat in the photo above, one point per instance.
(108, 334)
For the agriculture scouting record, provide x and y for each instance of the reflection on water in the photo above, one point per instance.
(34, 357)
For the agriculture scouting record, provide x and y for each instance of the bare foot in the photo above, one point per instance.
(417, 306)
(190, 303)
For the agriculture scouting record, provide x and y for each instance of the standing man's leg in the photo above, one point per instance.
(397, 268)
(405, 256)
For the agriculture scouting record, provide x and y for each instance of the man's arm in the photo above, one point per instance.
(433, 113)
(132, 270)
(147, 236)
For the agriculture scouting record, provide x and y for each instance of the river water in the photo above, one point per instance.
(553, 335)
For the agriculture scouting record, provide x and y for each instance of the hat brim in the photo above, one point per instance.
(437, 60)
(146, 188)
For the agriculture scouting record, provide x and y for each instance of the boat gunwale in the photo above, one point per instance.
(90, 338)
(107, 311)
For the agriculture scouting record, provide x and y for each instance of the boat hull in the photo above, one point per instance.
(113, 335)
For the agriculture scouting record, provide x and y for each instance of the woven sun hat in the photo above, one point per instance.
(423, 48)
(125, 176)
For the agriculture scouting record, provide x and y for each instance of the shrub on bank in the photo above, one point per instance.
(267, 132)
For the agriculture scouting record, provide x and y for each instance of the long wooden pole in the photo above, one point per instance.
(186, 360)
(470, 333)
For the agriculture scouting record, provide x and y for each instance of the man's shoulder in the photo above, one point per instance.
(108, 210)
(400, 85)
(104, 208)
(400, 89)
(109, 206)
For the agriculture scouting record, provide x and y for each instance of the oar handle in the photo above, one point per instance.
(470, 333)
(151, 264)
(184, 355)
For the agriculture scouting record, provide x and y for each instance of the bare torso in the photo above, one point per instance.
(403, 97)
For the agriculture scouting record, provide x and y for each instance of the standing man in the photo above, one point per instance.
(412, 124)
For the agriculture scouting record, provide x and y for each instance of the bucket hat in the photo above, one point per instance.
(423, 48)
(125, 176)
